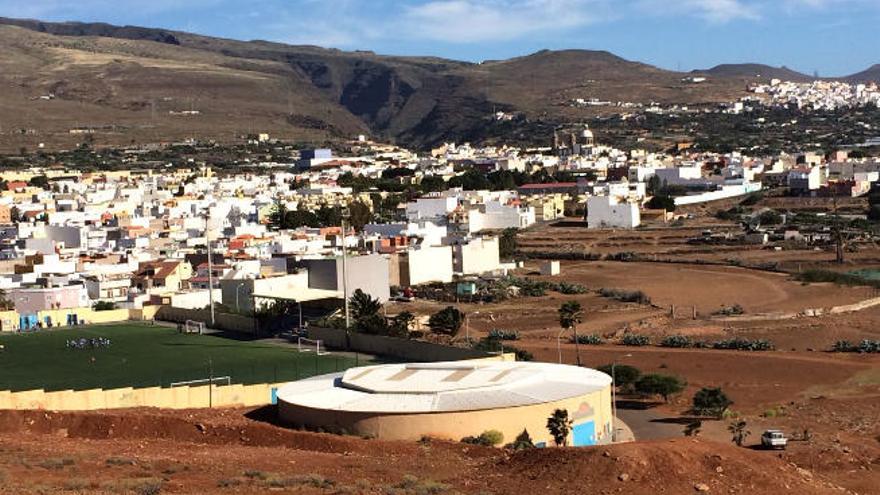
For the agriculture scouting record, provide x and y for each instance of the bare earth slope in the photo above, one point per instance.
(223, 451)
(129, 79)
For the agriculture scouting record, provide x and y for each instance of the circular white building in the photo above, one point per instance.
(453, 400)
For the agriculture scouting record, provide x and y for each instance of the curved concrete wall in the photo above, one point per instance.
(595, 407)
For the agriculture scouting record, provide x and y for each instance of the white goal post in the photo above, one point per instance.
(193, 326)
(310, 345)
(223, 380)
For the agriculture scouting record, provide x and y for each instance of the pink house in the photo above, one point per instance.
(32, 301)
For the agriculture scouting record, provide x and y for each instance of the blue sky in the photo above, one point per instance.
(833, 37)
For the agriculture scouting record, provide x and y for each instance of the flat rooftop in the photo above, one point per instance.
(443, 387)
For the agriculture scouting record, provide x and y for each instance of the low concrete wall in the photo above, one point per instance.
(168, 398)
(410, 350)
(9, 320)
(223, 321)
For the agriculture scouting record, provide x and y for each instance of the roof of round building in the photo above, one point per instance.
(443, 387)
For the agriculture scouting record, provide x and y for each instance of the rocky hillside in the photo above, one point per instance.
(133, 84)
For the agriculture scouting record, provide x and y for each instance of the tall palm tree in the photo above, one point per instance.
(570, 315)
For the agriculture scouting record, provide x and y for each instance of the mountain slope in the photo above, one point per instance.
(754, 71)
(871, 74)
(131, 84)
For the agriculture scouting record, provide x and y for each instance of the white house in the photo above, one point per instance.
(495, 216)
(431, 207)
(426, 264)
(477, 256)
(605, 212)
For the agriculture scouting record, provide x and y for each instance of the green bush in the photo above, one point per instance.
(743, 344)
(677, 341)
(498, 334)
(828, 276)
(633, 296)
(734, 310)
(711, 401)
(569, 288)
(592, 339)
(636, 340)
(488, 438)
(523, 441)
(864, 347)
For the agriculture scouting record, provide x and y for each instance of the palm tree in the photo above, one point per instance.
(739, 431)
(570, 314)
(559, 426)
(362, 305)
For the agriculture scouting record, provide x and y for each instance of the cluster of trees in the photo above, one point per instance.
(366, 317)
(326, 216)
(507, 244)
(630, 379)
(471, 179)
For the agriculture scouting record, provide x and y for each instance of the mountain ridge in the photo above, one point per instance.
(135, 82)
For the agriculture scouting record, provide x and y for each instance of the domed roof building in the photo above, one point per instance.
(453, 400)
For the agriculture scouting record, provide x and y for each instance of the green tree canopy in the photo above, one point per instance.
(711, 401)
(447, 321)
(662, 385)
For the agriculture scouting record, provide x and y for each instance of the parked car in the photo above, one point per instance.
(774, 439)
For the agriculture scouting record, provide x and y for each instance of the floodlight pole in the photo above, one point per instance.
(210, 264)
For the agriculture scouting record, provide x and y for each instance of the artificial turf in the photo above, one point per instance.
(141, 355)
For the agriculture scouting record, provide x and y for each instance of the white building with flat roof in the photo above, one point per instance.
(609, 212)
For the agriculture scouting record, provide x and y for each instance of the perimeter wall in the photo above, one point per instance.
(168, 398)
(594, 407)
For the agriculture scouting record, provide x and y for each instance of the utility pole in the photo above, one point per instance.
(210, 264)
(345, 215)
(838, 233)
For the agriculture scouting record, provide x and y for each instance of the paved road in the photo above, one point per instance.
(648, 424)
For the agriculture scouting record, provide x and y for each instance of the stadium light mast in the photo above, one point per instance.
(210, 263)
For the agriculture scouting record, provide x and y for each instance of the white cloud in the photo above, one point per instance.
(468, 21)
(715, 11)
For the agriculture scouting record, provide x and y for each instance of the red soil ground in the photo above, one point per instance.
(141, 451)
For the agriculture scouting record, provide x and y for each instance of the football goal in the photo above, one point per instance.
(193, 326)
(221, 380)
(310, 345)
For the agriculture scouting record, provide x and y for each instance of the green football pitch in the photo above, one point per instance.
(141, 355)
